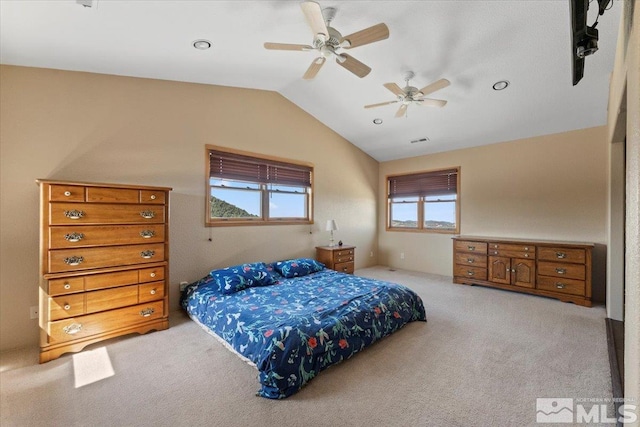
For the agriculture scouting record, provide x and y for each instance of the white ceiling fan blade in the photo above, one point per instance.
(440, 84)
(286, 46)
(313, 12)
(314, 68)
(380, 104)
(366, 36)
(402, 110)
(353, 65)
(397, 90)
(431, 102)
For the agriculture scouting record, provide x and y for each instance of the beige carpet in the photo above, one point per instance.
(482, 359)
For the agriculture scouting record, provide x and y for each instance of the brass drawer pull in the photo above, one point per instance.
(147, 234)
(561, 255)
(526, 248)
(526, 255)
(153, 291)
(147, 214)
(471, 260)
(560, 285)
(74, 214)
(152, 275)
(471, 248)
(470, 273)
(73, 260)
(73, 328)
(67, 307)
(153, 197)
(67, 193)
(67, 286)
(561, 270)
(147, 254)
(147, 312)
(73, 237)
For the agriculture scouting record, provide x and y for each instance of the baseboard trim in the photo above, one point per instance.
(615, 345)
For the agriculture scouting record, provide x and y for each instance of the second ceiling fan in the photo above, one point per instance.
(329, 42)
(410, 95)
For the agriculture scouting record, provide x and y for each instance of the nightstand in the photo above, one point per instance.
(339, 258)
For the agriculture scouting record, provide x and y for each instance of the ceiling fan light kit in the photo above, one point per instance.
(329, 42)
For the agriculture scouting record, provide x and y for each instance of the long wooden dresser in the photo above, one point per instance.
(104, 261)
(559, 270)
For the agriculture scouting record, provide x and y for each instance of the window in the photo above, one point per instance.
(424, 201)
(244, 189)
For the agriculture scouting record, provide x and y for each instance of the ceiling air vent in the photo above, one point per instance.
(415, 141)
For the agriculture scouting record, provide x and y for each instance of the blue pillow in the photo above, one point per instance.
(298, 267)
(242, 276)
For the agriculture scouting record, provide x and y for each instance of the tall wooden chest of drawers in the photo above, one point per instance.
(339, 258)
(559, 270)
(104, 263)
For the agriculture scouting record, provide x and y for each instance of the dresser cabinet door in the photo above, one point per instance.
(523, 273)
(500, 270)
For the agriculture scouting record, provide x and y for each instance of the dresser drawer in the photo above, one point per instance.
(96, 214)
(93, 324)
(68, 285)
(112, 195)
(343, 253)
(151, 291)
(151, 274)
(149, 196)
(87, 258)
(342, 258)
(471, 259)
(87, 235)
(66, 193)
(111, 298)
(512, 247)
(470, 272)
(562, 254)
(512, 253)
(562, 285)
(556, 269)
(344, 267)
(469, 246)
(66, 306)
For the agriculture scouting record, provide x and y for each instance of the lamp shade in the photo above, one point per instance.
(331, 225)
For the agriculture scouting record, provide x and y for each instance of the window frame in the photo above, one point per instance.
(422, 202)
(264, 190)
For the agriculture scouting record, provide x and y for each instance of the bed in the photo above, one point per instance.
(292, 319)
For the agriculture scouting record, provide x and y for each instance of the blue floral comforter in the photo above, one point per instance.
(300, 326)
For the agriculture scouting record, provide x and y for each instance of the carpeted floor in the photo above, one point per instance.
(482, 359)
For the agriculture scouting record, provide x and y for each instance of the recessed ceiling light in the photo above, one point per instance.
(377, 121)
(502, 84)
(202, 44)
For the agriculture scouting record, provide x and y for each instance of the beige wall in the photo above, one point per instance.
(90, 127)
(550, 187)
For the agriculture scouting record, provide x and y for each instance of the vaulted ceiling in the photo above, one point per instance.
(473, 44)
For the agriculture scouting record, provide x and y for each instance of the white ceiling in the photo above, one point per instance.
(471, 43)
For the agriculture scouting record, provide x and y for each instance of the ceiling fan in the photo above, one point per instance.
(410, 95)
(329, 42)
